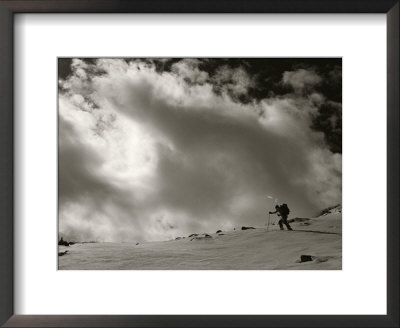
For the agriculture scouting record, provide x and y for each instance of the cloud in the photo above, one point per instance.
(301, 79)
(147, 155)
(232, 81)
(188, 70)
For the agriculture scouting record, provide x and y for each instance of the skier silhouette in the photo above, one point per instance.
(282, 212)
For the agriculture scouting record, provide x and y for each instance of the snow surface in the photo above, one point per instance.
(257, 249)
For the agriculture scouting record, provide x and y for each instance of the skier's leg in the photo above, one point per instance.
(280, 224)
(287, 224)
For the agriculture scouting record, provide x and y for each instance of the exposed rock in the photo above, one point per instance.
(62, 253)
(306, 258)
(298, 220)
(218, 231)
(137, 244)
(62, 242)
(193, 235)
(200, 237)
(247, 228)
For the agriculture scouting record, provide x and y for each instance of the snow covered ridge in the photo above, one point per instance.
(333, 209)
(315, 244)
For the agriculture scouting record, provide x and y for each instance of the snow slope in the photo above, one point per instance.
(238, 250)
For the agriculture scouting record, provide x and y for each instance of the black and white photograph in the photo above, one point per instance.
(199, 163)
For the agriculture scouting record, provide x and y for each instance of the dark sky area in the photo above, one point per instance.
(152, 149)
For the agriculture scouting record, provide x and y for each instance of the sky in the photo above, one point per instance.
(151, 149)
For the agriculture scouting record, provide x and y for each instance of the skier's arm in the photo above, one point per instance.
(273, 212)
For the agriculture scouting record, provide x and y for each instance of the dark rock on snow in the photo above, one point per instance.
(305, 258)
(298, 220)
(247, 228)
(203, 236)
(62, 242)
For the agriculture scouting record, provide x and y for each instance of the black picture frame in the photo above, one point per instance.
(10, 7)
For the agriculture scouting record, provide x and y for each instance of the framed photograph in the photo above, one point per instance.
(184, 163)
(217, 164)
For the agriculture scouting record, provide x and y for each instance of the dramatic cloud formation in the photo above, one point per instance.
(154, 149)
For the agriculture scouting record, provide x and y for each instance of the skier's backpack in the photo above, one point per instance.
(284, 210)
